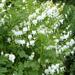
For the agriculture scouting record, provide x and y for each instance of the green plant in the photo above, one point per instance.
(34, 37)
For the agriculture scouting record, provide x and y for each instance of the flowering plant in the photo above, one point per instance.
(34, 37)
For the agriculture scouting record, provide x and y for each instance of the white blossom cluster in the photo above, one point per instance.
(18, 33)
(19, 41)
(54, 68)
(25, 28)
(65, 36)
(60, 49)
(26, 32)
(11, 56)
(2, 3)
(35, 18)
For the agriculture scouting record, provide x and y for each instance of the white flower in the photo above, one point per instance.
(68, 27)
(50, 47)
(17, 33)
(64, 32)
(6, 55)
(72, 42)
(2, 20)
(25, 29)
(23, 1)
(39, 60)
(29, 37)
(33, 53)
(39, 18)
(64, 47)
(12, 57)
(55, 26)
(43, 74)
(64, 36)
(55, 12)
(9, 5)
(3, 1)
(32, 42)
(13, 73)
(34, 1)
(2, 52)
(62, 69)
(37, 11)
(52, 69)
(32, 16)
(72, 52)
(49, 12)
(34, 22)
(56, 40)
(23, 8)
(27, 44)
(43, 15)
(61, 21)
(31, 56)
(22, 42)
(46, 60)
(42, 30)
(33, 32)
(1, 5)
(46, 71)
(67, 43)
(9, 39)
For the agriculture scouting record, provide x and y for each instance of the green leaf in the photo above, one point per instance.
(31, 64)
(2, 74)
(33, 73)
(22, 54)
(3, 60)
(3, 70)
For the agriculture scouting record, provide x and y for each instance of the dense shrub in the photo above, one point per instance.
(35, 37)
